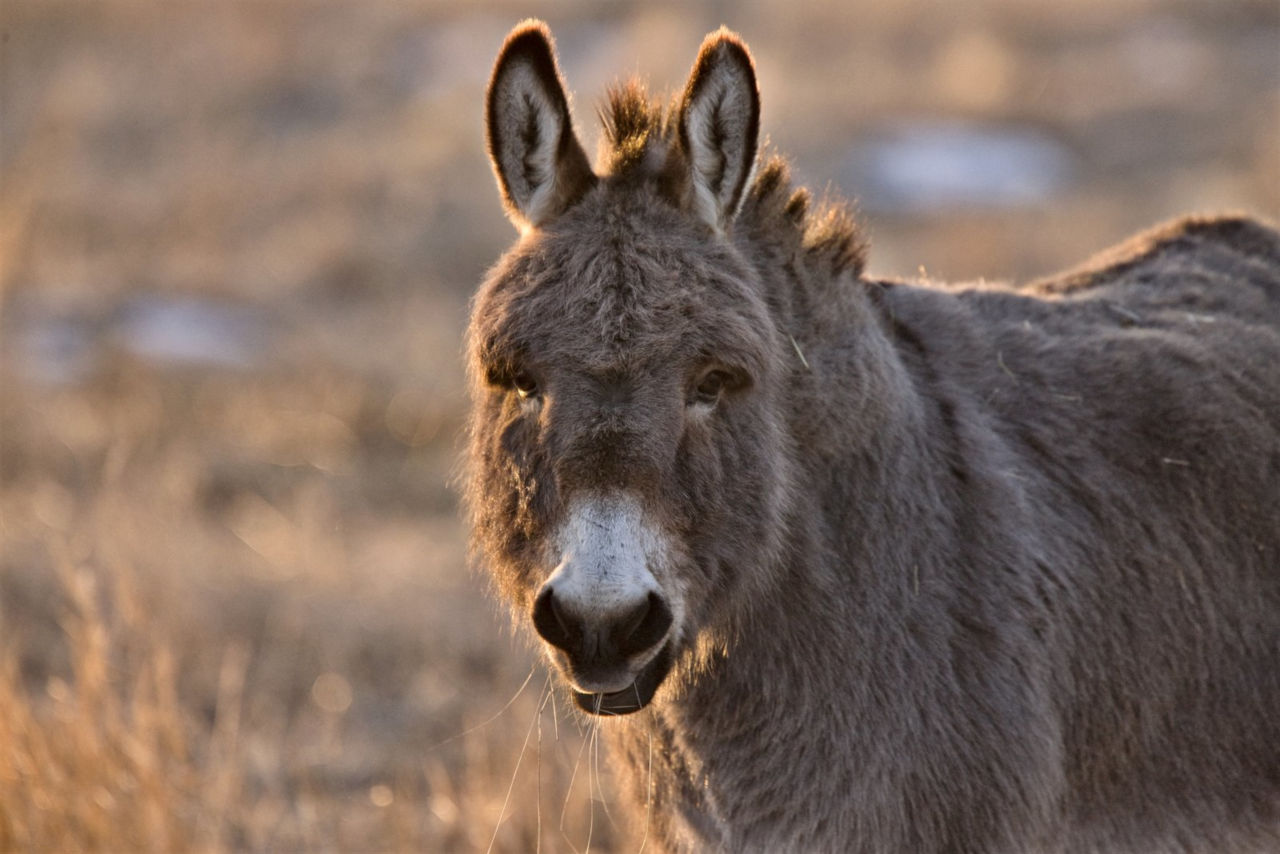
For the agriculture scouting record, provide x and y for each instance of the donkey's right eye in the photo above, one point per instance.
(525, 385)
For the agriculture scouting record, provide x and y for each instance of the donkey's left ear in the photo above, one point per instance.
(720, 127)
(541, 167)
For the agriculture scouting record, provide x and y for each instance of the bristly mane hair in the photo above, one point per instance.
(640, 134)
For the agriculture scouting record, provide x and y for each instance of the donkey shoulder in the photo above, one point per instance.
(1179, 274)
(1193, 254)
(1190, 284)
(1172, 335)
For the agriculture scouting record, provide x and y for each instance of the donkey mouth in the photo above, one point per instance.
(635, 696)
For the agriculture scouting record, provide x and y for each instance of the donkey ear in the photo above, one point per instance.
(541, 167)
(719, 127)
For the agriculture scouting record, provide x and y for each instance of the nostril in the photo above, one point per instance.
(550, 621)
(643, 626)
(634, 631)
(631, 621)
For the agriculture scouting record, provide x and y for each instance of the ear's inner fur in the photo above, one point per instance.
(541, 167)
(719, 128)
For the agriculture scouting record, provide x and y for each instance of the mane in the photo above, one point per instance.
(640, 132)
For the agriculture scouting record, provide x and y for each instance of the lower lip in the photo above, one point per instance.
(635, 696)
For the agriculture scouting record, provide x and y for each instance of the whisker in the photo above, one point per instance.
(648, 787)
(489, 720)
(514, 775)
(604, 803)
(568, 795)
(555, 717)
(591, 798)
(542, 705)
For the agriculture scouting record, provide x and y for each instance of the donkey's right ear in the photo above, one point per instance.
(540, 164)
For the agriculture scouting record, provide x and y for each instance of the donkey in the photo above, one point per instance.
(888, 566)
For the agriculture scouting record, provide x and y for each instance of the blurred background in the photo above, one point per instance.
(237, 242)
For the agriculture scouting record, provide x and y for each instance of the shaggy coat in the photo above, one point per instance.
(873, 566)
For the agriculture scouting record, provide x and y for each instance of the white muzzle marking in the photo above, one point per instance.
(608, 554)
(605, 549)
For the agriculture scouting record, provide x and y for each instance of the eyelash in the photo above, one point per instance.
(710, 387)
(525, 385)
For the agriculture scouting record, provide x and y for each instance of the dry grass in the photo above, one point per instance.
(110, 759)
(234, 609)
(92, 764)
(264, 696)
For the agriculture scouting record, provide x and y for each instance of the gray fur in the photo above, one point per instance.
(962, 569)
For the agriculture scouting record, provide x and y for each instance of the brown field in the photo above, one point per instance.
(236, 246)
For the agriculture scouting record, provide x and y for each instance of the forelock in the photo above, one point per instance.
(637, 130)
(639, 143)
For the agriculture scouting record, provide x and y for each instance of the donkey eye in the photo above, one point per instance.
(525, 385)
(709, 387)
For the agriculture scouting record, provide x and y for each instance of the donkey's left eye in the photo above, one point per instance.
(709, 388)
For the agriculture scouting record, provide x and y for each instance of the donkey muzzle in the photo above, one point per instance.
(604, 613)
(606, 652)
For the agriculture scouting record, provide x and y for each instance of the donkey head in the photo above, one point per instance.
(627, 459)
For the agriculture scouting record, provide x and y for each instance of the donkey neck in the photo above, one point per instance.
(858, 596)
